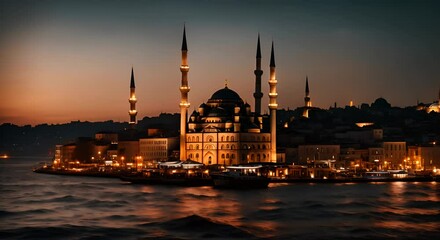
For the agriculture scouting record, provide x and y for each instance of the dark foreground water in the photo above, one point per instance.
(39, 206)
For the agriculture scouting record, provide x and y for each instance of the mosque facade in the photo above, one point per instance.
(224, 130)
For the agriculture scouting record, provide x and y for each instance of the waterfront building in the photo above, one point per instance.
(394, 154)
(425, 158)
(154, 150)
(107, 137)
(224, 130)
(376, 157)
(309, 154)
(353, 158)
(128, 153)
(67, 154)
(58, 155)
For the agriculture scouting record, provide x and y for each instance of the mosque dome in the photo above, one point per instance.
(226, 98)
(435, 107)
(226, 94)
(381, 103)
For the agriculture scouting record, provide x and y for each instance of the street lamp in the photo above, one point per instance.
(355, 166)
(376, 161)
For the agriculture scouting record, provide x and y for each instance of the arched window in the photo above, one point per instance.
(193, 139)
(252, 157)
(221, 146)
(197, 146)
(223, 155)
(227, 155)
(232, 138)
(197, 138)
(197, 156)
(221, 139)
(258, 158)
(232, 146)
(189, 139)
(232, 156)
(227, 138)
(190, 147)
(227, 146)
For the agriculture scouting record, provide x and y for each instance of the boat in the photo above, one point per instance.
(377, 175)
(241, 177)
(178, 177)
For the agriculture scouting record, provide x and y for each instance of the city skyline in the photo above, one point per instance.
(68, 60)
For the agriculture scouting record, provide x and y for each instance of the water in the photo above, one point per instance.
(40, 206)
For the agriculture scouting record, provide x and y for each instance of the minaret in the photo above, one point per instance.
(258, 72)
(273, 108)
(132, 100)
(184, 104)
(307, 102)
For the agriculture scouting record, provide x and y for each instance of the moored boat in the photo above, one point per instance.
(241, 177)
(377, 175)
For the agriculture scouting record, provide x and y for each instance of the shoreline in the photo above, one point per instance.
(203, 181)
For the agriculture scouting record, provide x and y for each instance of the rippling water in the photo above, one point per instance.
(39, 206)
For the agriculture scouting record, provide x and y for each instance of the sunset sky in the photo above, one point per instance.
(71, 60)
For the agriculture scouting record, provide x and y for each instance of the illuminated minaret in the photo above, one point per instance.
(307, 102)
(132, 100)
(184, 104)
(258, 72)
(273, 108)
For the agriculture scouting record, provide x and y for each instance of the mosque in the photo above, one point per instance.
(224, 130)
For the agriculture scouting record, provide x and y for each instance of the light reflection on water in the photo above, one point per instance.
(44, 206)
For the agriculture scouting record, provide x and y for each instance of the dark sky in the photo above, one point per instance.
(71, 60)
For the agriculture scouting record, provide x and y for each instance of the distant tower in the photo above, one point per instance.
(273, 108)
(307, 101)
(132, 100)
(184, 104)
(258, 72)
